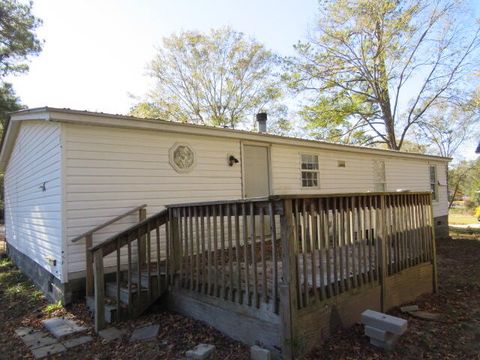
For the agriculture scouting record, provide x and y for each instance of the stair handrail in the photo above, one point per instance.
(88, 236)
(109, 222)
(140, 232)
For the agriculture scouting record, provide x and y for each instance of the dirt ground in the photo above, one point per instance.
(455, 336)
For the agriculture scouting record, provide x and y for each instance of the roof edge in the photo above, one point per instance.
(111, 120)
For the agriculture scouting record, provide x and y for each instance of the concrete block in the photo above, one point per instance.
(111, 334)
(70, 343)
(200, 352)
(386, 345)
(60, 327)
(409, 308)
(259, 353)
(145, 333)
(379, 334)
(384, 322)
(48, 350)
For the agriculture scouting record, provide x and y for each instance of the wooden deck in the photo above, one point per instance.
(275, 263)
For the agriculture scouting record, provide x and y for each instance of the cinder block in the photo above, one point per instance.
(379, 334)
(384, 322)
(387, 345)
(258, 353)
(200, 352)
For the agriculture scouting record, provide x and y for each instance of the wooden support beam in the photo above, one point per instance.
(99, 286)
(288, 285)
(89, 265)
(434, 247)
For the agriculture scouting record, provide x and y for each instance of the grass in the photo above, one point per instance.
(461, 219)
(51, 308)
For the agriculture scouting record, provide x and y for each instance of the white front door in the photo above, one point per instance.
(256, 173)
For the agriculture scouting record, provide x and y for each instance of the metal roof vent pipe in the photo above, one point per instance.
(262, 122)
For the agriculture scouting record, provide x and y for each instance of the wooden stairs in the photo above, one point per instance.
(134, 302)
(140, 275)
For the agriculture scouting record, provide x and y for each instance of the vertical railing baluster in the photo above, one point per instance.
(159, 254)
(246, 299)
(304, 234)
(273, 230)
(322, 227)
(209, 253)
(335, 245)
(262, 255)
(129, 274)
(117, 243)
(231, 293)
(215, 251)
(238, 289)
(197, 247)
(297, 243)
(223, 266)
(253, 235)
(312, 217)
(149, 259)
(202, 233)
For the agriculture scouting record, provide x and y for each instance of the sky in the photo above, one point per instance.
(96, 52)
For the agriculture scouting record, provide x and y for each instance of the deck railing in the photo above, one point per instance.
(280, 254)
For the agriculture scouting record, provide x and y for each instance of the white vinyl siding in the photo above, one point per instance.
(358, 175)
(33, 195)
(109, 171)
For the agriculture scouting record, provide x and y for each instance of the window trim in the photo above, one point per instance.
(375, 182)
(301, 171)
(435, 192)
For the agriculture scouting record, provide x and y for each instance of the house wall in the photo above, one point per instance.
(356, 176)
(109, 171)
(32, 214)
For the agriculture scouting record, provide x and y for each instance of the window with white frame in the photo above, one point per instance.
(309, 170)
(433, 182)
(379, 177)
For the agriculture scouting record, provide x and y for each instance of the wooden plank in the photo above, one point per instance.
(222, 252)
(335, 245)
(262, 256)
(142, 215)
(255, 301)
(202, 258)
(342, 247)
(381, 240)
(109, 222)
(434, 247)
(89, 265)
(273, 230)
(209, 251)
(238, 287)
(117, 277)
(327, 244)
(149, 263)
(322, 248)
(288, 288)
(246, 299)
(353, 241)
(159, 255)
(139, 273)
(99, 290)
(197, 245)
(370, 239)
(313, 248)
(296, 222)
(231, 293)
(304, 234)
(215, 252)
(129, 274)
(192, 249)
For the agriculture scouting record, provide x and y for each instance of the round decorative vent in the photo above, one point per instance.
(182, 157)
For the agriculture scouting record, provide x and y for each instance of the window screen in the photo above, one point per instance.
(309, 170)
(433, 182)
(379, 178)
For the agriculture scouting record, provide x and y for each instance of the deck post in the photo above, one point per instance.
(89, 265)
(142, 240)
(434, 247)
(288, 285)
(99, 290)
(174, 243)
(382, 251)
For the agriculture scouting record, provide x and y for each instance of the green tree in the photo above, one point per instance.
(375, 68)
(18, 41)
(219, 78)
